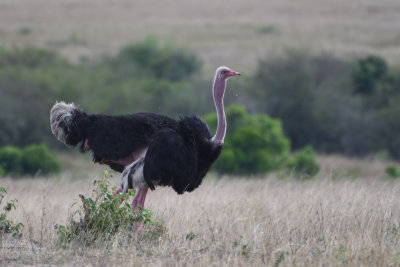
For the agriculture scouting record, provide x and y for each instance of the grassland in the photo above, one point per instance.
(236, 33)
(346, 217)
(349, 215)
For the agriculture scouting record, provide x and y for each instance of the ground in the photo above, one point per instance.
(346, 217)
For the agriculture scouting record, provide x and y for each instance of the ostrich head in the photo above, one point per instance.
(221, 75)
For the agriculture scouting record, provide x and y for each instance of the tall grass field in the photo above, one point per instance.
(348, 215)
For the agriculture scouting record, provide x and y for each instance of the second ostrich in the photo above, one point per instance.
(149, 149)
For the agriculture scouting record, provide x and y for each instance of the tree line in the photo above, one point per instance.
(291, 101)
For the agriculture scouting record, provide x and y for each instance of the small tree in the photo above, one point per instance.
(167, 62)
(303, 163)
(392, 172)
(6, 225)
(367, 72)
(38, 158)
(254, 143)
(10, 159)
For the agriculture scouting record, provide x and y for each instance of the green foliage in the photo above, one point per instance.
(314, 97)
(375, 82)
(392, 172)
(336, 106)
(303, 163)
(390, 115)
(38, 158)
(29, 81)
(254, 143)
(31, 58)
(141, 77)
(104, 215)
(367, 72)
(10, 159)
(30, 160)
(6, 225)
(292, 87)
(165, 62)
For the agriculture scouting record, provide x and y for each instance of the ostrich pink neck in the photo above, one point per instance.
(218, 92)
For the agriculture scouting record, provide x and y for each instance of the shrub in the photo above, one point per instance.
(31, 58)
(37, 158)
(144, 76)
(303, 163)
(375, 82)
(305, 92)
(102, 216)
(367, 72)
(314, 97)
(30, 160)
(166, 62)
(392, 172)
(10, 159)
(254, 143)
(6, 225)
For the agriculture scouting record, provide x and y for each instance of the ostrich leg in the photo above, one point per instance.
(119, 190)
(132, 177)
(138, 205)
(138, 200)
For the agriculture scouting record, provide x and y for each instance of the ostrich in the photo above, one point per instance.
(149, 149)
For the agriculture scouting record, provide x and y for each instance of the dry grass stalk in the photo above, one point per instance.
(235, 221)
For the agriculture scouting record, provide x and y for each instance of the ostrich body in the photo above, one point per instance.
(149, 149)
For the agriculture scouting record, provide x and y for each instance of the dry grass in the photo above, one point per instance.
(231, 221)
(236, 33)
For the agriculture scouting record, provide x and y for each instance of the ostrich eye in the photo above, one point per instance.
(224, 71)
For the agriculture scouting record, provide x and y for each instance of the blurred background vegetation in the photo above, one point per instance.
(296, 100)
(299, 99)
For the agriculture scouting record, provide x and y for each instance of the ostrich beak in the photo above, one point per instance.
(232, 73)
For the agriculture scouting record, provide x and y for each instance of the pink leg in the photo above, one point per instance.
(119, 190)
(138, 200)
(86, 146)
(138, 205)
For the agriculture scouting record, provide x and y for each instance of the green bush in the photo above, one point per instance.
(6, 225)
(303, 163)
(143, 76)
(10, 159)
(31, 58)
(367, 72)
(166, 62)
(102, 217)
(314, 97)
(392, 172)
(37, 158)
(254, 143)
(32, 159)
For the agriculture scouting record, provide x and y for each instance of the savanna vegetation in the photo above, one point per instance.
(332, 220)
(293, 101)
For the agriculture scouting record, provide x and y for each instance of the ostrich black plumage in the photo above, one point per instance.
(149, 149)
